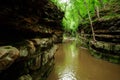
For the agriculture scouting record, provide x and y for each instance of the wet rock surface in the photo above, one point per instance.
(107, 45)
(35, 56)
(26, 19)
(8, 55)
(106, 51)
(30, 28)
(107, 34)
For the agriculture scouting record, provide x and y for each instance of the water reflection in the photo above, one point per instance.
(75, 63)
(67, 72)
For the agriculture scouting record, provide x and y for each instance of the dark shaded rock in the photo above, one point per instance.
(48, 54)
(26, 48)
(25, 77)
(35, 63)
(107, 50)
(29, 25)
(44, 71)
(8, 55)
(57, 37)
(43, 43)
(35, 55)
(26, 19)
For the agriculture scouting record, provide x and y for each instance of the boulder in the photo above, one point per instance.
(8, 55)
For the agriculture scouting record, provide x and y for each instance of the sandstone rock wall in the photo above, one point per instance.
(29, 31)
(107, 33)
(35, 55)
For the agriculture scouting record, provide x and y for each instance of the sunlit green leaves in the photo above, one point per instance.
(76, 11)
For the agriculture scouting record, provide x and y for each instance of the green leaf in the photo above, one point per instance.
(76, 11)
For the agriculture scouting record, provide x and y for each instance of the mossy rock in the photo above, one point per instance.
(105, 56)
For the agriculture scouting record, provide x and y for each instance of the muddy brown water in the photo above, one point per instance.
(75, 63)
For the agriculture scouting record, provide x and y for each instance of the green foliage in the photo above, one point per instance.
(76, 11)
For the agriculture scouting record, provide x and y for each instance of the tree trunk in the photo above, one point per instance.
(91, 25)
(97, 11)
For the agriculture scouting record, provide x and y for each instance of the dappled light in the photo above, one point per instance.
(64, 1)
(59, 39)
(76, 11)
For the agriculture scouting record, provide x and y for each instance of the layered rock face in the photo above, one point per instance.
(107, 34)
(29, 32)
(35, 55)
(25, 19)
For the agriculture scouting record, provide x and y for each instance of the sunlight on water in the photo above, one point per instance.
(68, 72)
(75, 63)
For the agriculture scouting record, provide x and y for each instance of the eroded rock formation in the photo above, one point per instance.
(107, 34)
(29, 31)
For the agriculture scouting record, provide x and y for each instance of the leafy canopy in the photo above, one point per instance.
(76, 11)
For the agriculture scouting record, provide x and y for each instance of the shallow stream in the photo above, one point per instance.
(73, 62)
